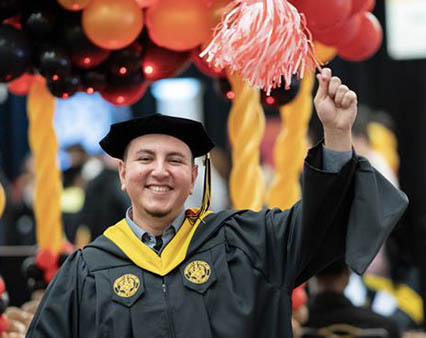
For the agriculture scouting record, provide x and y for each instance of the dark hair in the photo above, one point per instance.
(334, 269)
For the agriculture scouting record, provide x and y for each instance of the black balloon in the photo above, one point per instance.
(159, 63)
(9, 8)
(39, 23)
(84, 54)
(281, 96)
(94, 81)
(4, 302)
(125, 61)
(53, 63)
(15, 54)
(128, 79)
(36, 284)
(223, 88)
(30, 269)
(65, 86)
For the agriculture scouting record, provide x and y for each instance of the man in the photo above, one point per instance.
(166, 272)
(331, 312)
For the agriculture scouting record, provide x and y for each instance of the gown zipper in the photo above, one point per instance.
(169, 315)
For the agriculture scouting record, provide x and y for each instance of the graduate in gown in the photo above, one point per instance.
(163, 271)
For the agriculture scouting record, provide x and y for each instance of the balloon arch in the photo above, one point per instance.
(54, 49)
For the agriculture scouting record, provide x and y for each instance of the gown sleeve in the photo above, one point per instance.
(345, 214)
(58, 312)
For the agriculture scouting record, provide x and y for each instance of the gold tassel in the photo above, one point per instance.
(205, 204)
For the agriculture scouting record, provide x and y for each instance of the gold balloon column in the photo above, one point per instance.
(246, 125)
(384, 141)
(2, 200)
(44, 146)
(290, 147)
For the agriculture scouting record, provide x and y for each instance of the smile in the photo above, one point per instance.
(159, 188)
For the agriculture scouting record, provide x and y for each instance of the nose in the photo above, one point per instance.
(160, 169)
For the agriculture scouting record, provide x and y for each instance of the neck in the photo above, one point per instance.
(336, 285)
(153, 225)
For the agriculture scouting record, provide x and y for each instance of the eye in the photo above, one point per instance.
(176, 160)
(144, 158)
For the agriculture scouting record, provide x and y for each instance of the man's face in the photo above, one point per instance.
(158, 175)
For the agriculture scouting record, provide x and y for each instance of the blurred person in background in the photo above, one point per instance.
(331, 313)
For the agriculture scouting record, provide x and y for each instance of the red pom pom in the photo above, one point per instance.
(263, 40)
(46, 259)
(4, 324)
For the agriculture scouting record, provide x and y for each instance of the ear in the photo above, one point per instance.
(194, 175)
(122, 173)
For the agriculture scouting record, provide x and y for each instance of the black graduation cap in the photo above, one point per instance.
(188, 131)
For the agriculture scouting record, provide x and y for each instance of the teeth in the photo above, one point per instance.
(157, 188)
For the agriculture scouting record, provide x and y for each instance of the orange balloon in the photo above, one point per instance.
(74, 5)
(112, 24)
(217, 9)
(179, 24)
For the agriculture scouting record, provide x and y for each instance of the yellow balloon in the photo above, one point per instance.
(2, 200)
(74, 5)
(112, 24)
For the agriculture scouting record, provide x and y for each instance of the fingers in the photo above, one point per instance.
(340, 93)
(348, 99)
(333, 86)
(323, 79)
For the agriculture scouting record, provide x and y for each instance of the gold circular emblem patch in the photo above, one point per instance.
(197, 272)
(126, 285)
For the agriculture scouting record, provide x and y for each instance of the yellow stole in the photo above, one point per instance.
(143, 256)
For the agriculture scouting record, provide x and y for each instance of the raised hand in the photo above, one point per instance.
(336, 106)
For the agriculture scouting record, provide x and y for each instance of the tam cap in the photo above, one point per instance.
(188, 131)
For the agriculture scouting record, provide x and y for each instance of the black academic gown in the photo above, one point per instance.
(230, 275)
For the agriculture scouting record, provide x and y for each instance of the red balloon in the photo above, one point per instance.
(125, 96)
(299, 297)
(50, 273)
(160, 63)
(146, 3)
(46, 259)
(21, 85)
(14, 21)
(4, 324)
(341, 34)
(2, 286)
(359, 6)
(324, 14)
(366, 42)
(204, 67)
